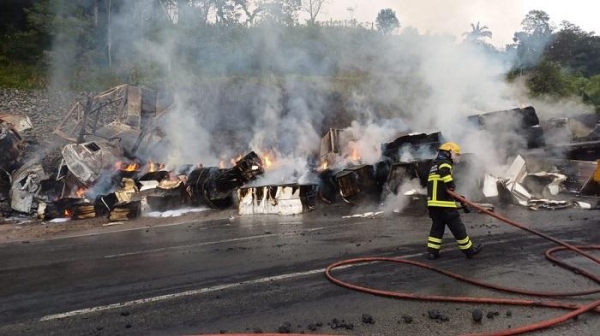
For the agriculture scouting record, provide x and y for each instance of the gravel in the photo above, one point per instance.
(46, 110)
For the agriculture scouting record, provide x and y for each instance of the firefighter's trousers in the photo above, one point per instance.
(440, 218)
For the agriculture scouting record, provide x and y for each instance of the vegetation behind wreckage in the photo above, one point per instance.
(226, 42)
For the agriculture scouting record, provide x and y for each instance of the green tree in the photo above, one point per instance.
(478, 33)
(386, 21)
(575, 49)
(537, 23)
(549, 79)
(283, 12)
(530, 43)
(591, 92)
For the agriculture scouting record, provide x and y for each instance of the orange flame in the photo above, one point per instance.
(355, 155)
(80, 191)
(325, 165)
(234, 161)
(221, 164)
(127, 167)
(68, 213)
(268, 162)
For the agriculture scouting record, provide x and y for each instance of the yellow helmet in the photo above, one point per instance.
(451, 147)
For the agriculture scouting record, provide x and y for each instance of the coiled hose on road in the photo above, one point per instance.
(576, 309)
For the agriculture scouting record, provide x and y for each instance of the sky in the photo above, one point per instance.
(454, 17)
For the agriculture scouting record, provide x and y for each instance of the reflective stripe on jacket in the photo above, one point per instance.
(438, 182)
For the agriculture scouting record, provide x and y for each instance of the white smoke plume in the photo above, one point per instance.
(259, 89)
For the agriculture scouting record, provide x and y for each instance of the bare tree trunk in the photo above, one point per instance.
(108, 34)
(170, 9)
(96, 13)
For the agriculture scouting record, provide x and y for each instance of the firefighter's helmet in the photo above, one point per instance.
(450, 147)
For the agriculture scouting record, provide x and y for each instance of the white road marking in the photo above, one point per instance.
(224, 241)
(186, 246)
(213, 288)
(196, 292)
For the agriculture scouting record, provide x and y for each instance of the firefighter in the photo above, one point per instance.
(442, 207)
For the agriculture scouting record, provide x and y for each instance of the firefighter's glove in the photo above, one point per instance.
(466, 208)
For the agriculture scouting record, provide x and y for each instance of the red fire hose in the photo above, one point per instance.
(576, 309)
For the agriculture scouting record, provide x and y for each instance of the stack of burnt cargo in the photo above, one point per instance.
(575, 137)
(513, 130)
(406, 159)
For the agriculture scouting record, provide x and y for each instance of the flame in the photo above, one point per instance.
(68, 213)
(127, 167)
(154, 167)
(355, 155)
(325, 165)
(80, 191)
(268, 162)
(235, 161)
(221, 164)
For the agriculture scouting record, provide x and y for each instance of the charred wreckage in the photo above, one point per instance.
(100, 174)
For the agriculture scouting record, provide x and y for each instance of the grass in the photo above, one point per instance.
(19, 76)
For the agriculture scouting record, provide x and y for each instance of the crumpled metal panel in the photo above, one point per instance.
(511, 128)
(333, 144)
(19, 122)
(330, 142)
(358, 184)
(11, 146)
(126, 135)
(26, 186)
(87, 160)
(134, 106)
(412, 146)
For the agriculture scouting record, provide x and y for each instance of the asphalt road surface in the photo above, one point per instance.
(266, 274)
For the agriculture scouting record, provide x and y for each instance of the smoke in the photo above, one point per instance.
(273, 89)
(396, 203)
(415, 82)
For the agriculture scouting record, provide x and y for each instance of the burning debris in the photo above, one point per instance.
(412, 146)
(11, 141)
(215, 186)
(26, 188)
(512, 129)
(359, 184)
(87, 161)
(102, 173)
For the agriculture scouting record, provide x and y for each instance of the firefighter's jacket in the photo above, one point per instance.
(438, 182)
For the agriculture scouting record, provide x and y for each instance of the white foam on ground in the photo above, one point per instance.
(173, 213)
(60, 220)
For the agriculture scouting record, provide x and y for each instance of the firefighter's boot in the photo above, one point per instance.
(470, 253)
(433, 255)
